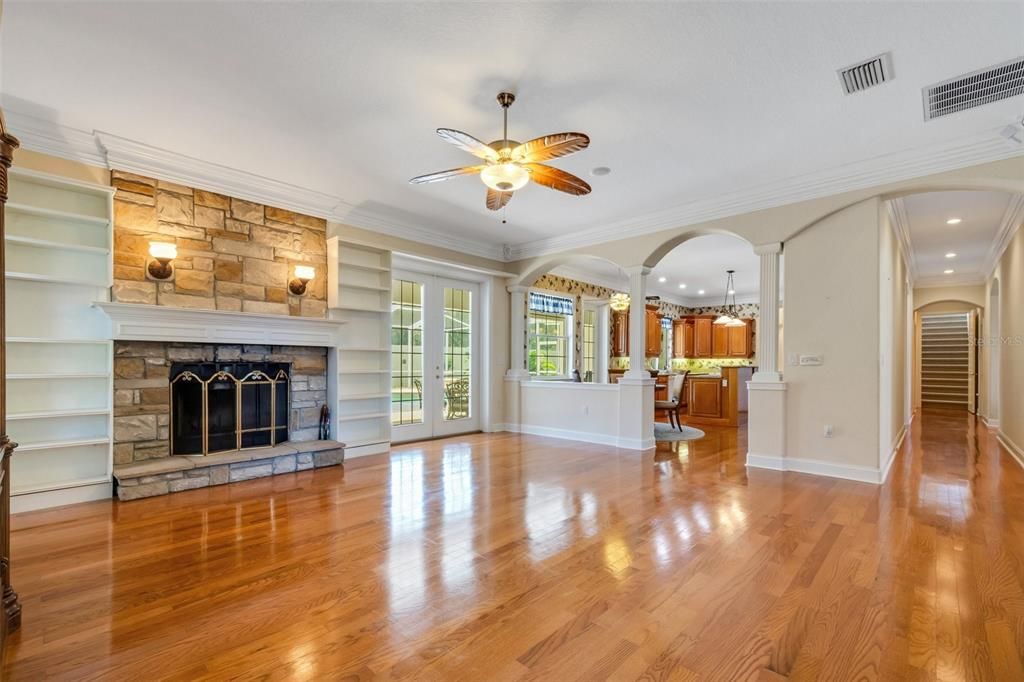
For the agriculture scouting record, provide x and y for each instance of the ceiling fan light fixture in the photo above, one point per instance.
(505, 177)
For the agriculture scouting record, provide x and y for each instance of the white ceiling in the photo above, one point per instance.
(683, 101)
(971, 240)
(700, 263)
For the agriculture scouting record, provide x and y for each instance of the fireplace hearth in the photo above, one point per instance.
(218, 407)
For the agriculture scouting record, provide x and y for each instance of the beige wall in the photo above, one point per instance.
(1010, 273)
(832, 309)
(23, 158)
(973, 295)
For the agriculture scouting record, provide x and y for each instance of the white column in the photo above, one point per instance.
(517, 326)
(637, 322)
(768, 324)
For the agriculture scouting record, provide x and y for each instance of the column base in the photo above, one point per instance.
(766, 423)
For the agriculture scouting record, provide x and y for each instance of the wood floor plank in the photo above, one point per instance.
(511, 557)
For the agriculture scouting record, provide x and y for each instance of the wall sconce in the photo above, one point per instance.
(163, 253)
(303, 273)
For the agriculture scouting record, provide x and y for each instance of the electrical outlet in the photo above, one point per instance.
(811, 360)
(829, 431)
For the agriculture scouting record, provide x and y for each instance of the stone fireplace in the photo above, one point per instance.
(200, 399)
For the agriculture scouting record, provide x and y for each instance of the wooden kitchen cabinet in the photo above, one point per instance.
(652, 332)
(703, 333)
(741, 340)
(705, 396)
(620, 333)
(719, 341)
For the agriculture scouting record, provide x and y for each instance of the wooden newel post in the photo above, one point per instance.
(11, 605)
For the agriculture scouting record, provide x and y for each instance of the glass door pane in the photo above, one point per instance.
(457, 348)
(407, 382)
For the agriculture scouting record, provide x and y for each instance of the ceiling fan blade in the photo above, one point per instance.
(444, 175)
(468, 143)
(550, 147)
(557, 179)
(497, 200)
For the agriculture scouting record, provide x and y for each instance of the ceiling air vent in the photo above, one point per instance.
(864, 75)
(981, 87)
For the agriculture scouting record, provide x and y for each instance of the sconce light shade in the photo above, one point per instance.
(303, 274)
(163, 253)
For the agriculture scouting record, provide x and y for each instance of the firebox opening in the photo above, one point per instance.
(223, 406)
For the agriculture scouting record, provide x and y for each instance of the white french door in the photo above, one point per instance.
(434, 356)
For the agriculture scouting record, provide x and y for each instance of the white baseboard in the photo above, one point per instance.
(1011, 447)
(990, 423)
(892, 454)
(584, 436)
(365, 450)
(815, 467)
(59, 498)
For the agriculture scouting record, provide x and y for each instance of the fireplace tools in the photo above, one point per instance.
(325, 422)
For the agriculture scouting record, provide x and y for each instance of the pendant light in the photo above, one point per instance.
(730, 313)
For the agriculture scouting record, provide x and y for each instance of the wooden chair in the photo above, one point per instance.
(676, 399)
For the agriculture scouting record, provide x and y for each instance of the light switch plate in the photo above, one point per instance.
(811, 360)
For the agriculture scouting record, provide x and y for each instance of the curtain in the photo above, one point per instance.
(545, 303)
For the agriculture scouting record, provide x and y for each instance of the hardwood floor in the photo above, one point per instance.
(505, 557)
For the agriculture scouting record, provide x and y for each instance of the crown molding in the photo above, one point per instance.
(106, 150)
(883, 169)
(1011, 222)
(55, 139)
(901, 227)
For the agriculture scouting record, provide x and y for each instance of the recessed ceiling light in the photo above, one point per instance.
(682, 286)
(600, 170)
(700, 292)
(947, 272)
(732, 292)
(953, 221)
(950, 255)
(662, 279)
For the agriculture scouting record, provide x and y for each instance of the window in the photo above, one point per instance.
(550, 335)
(589, 344)
(666, 342)
(406, 352)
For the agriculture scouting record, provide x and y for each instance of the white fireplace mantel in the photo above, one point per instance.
(140, 322)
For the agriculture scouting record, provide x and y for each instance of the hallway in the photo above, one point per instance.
(500, 556)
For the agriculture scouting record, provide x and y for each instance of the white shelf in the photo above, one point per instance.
(57, 444)
(45, 375)
(363, 396)
(58, 413)
(26, 209)
(364, 287)
(359, 266)
(76, 483)
(36, 339)
(364, 309)
(51, 279)
(58, 246)
(361, 417)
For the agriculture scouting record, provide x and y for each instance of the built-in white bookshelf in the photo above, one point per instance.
(59, 354)
(359, 292)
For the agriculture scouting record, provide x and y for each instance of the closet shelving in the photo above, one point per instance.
(59, 373)
(359, 292)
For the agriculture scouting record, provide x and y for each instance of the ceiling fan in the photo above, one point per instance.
(509, 165)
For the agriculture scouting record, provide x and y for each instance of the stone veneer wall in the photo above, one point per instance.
(142, 390)
(232, 254)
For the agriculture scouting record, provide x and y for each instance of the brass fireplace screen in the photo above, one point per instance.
(218, 407)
